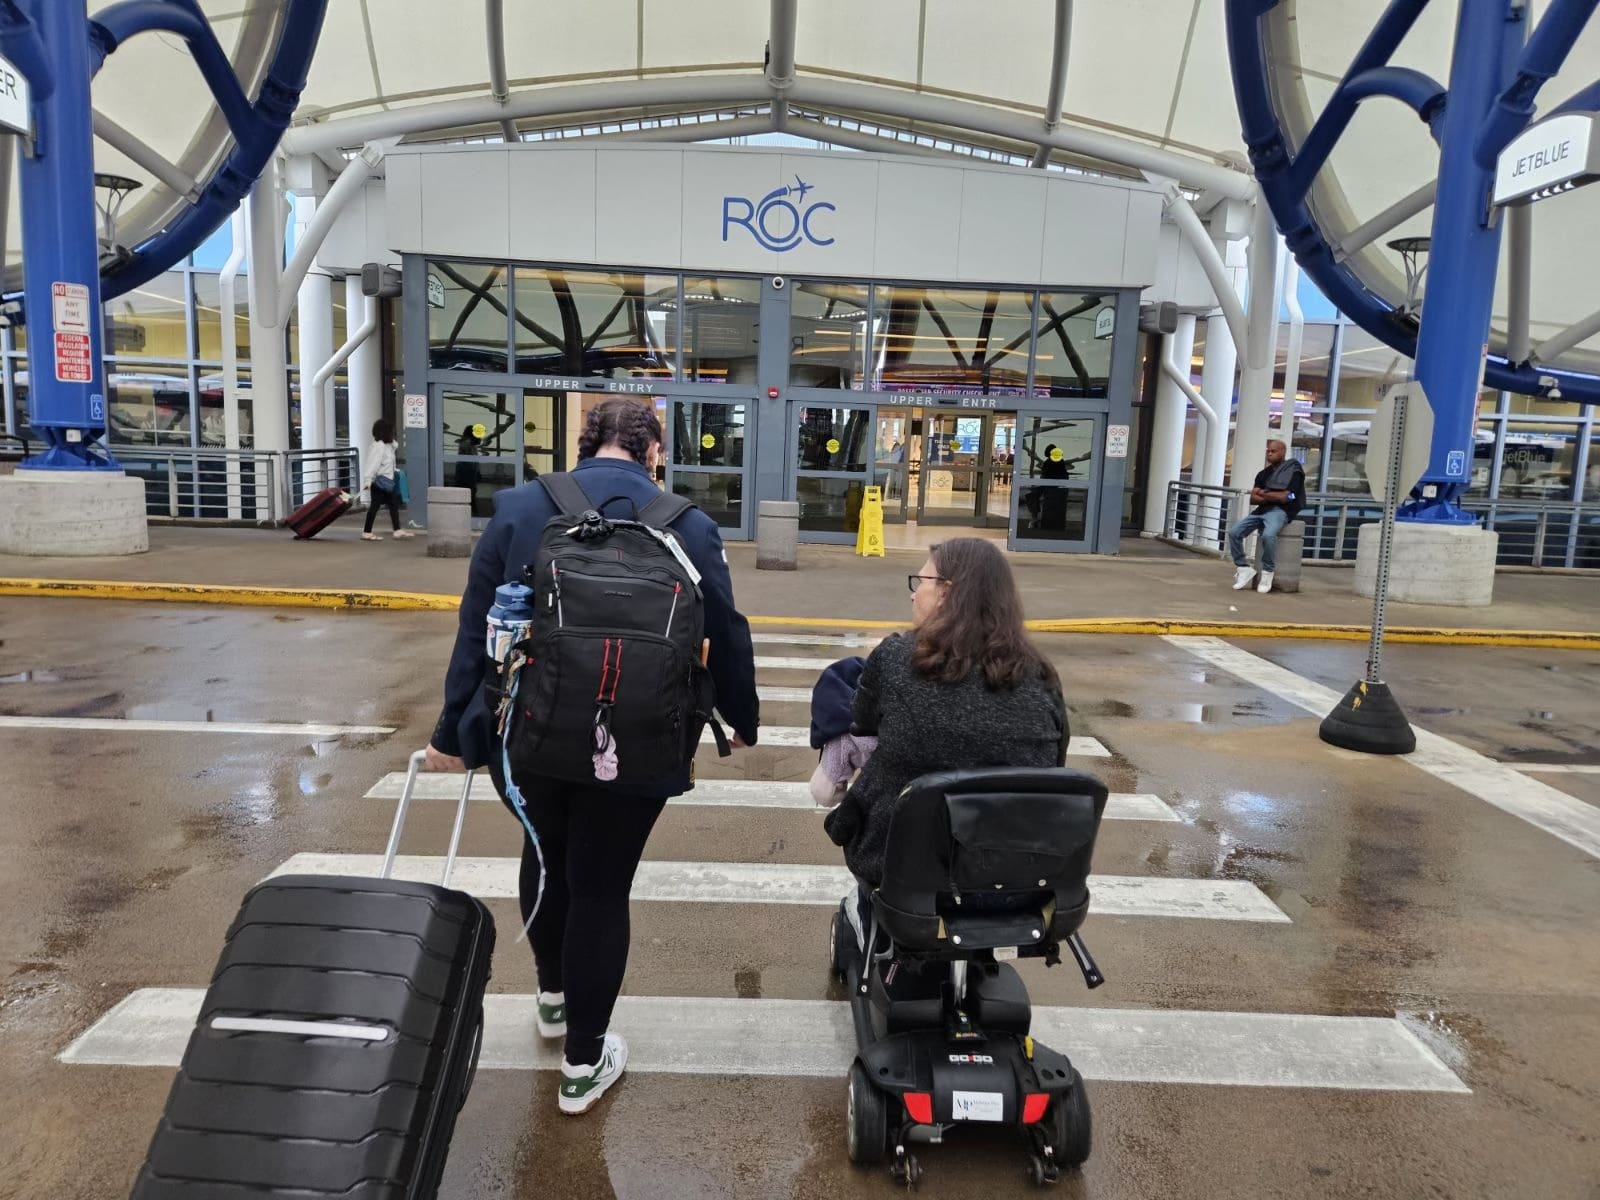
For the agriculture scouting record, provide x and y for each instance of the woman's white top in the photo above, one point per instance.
(380, 461)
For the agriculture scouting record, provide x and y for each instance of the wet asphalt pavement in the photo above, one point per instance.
(123, 856)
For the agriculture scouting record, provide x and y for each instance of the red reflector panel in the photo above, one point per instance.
(919, 1106)
(1033, 1108)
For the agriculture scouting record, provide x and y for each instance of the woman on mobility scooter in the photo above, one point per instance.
(970, 846)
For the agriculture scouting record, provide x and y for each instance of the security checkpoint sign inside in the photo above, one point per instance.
(1417, 446)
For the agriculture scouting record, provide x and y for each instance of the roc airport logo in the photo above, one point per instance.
(781, 220)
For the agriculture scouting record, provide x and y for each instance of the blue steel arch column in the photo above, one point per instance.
(58, 49)
(1490, 100)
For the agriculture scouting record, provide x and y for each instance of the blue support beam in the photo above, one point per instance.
(275, 103)
(1464, 256)
(66, 379)
(1274, 165)
(1539, 60)
(58, 49)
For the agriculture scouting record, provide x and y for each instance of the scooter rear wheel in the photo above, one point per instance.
(836, 963)
(1071, 1125)
(866, 1119)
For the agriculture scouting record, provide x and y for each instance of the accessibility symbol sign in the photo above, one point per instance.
(97, 408)
(1455, 464)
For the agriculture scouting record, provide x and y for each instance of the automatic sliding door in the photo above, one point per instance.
(1056, 482)
(891, 468)
(482, 442)
(953, 458)
(706, 445)
(833, 451)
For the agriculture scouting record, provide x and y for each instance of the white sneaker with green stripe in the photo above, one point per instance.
(582, 1087)
(552, 1014)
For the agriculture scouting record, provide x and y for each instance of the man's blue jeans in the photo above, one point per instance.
(1270, 524)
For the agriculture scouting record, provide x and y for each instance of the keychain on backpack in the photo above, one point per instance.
(605, 746)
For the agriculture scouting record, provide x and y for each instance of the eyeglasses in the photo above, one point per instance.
(916, 581)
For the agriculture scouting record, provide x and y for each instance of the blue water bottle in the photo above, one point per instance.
(510, 620)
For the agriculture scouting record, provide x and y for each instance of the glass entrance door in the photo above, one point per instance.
(1056, 488)
(491, 440)
(708, 459)
(480, 442)
(954, 469)
(893, 462)
(1000, 440)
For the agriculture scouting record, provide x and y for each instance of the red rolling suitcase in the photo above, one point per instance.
(317, 513)
(336, 1043)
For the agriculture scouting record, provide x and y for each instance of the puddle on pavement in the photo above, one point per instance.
(1454, 1037)
(1193, 714)
(747, 983)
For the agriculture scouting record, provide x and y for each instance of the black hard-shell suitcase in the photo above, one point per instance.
(336, 1044)
(317, 513)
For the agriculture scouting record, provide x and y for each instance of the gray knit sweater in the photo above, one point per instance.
(925, 726)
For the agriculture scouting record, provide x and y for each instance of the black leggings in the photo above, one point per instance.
(390, 497)
(592, 842)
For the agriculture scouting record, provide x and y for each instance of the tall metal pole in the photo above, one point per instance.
(1391, 498)
(66, 380)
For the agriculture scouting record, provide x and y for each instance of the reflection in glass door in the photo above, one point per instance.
(481, 444)
(1057, 482)
(706, 449)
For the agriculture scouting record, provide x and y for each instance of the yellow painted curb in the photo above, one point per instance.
(373, 600)
(224, 593)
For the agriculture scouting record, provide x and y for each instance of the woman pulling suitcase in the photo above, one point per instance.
(586, 829)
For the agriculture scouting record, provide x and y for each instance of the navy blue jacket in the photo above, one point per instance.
(833, 701)
(511, 542)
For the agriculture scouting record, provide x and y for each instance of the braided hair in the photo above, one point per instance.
(626, 424)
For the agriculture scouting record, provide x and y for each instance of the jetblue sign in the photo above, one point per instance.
(780, 220)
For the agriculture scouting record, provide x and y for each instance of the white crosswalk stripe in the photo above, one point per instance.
(781, 662)
(727, 793)
(864, 641)
(790, 883)
(813, 1038)
(783, 695)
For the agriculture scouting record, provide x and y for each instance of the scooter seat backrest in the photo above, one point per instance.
(968, 848)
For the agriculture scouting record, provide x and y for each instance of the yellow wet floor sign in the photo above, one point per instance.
(869, 533)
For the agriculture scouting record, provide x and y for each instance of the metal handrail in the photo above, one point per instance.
(207, 484)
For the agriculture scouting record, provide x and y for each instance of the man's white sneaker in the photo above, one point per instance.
(582, 1087)
(1242, 577)
(552, 1014)
(1265, 585)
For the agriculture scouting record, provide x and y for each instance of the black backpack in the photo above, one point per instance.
(615, 687)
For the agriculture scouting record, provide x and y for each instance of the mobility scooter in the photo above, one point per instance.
(981, 867)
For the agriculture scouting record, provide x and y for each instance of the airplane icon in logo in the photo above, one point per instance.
(800, 188)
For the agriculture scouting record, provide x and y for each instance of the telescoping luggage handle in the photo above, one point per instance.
(415, 765)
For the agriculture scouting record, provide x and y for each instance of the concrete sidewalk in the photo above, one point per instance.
(1149, 580)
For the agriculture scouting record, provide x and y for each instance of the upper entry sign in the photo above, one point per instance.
(14, 99)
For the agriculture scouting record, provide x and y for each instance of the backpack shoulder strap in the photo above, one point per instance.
(664, 510)
(566, 493)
